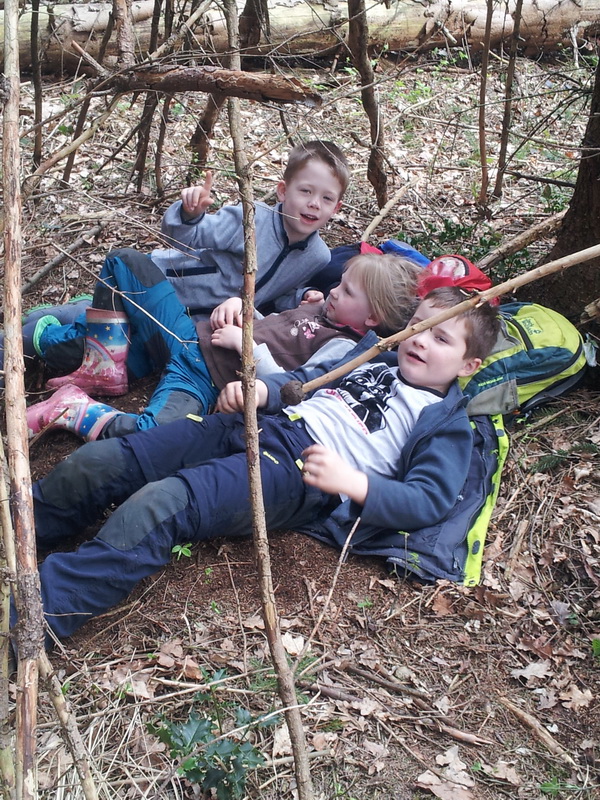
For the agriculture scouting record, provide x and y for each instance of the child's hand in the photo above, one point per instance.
(229, 337)
(329, 472)
(312, 296)
(229, 312)
(231, 398)
(196, 199)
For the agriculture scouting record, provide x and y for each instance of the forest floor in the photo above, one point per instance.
(407, 691)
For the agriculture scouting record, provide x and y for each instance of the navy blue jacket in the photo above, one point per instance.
(403, 518)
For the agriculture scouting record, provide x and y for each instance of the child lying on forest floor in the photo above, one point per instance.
(391, 445)
(377, 292)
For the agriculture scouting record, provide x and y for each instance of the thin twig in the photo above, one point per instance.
(285, 679)
(385, 211)
(326, 604)
(124, 296)
(546, 227)
(81, 240)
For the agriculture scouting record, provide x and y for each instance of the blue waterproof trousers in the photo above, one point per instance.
(162, 336)
(178, 483)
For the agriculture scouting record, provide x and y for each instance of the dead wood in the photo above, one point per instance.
(544, 228)
(591, 311)
(358, 38)
(32, 181)
(69, 727)
(508, 98)
(63, 712)
(232, 83)
(538, 729)
(483, 155)
(79, 242)
(7, 565)
(299, 27)
(285, 678)
(169, 44)
(385, 211)
(125, 35)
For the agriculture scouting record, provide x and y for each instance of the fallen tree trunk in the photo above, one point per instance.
(301, 27)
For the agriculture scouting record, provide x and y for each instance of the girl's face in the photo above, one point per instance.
(347, 304)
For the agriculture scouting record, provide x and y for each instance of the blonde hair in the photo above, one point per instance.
(327, 152)
(390, 284)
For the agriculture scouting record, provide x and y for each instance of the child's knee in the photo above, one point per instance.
(138, 264)
(150, 512)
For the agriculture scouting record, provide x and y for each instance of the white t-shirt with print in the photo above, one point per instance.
(367, 418)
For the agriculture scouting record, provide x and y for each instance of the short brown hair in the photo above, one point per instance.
(390, 284)
(482, 322)
(327, 152)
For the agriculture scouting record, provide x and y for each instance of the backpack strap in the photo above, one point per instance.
(491, 438)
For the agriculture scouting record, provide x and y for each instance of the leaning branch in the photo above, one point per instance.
(293, 392)
(30, 632)
(544, 228)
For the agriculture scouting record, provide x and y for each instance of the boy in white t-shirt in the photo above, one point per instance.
(395, 441)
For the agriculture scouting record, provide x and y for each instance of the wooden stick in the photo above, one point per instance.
(386, 210)
(544, 228)
(538, 729)
(81, 240)
(449, 313)
(285, 678)
(30, 630)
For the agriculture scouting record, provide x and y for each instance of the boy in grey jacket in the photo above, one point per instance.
(144, 307)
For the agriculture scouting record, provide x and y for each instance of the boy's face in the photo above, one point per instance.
(309, 199)
(434, 358)
(347, 304)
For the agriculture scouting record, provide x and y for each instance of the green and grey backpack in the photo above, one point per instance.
(538, 355)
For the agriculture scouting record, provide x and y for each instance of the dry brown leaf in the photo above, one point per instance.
(324, 741)
(292, 644)
(503, 771)
(172, 648)
(533, 672)
(575, 699)
(367, 706)
(255, 622)
(445, 790)
(191, 669)
(442, 605)
(547, 698)
(282, 745)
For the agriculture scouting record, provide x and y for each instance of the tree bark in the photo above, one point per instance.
(298, 27)
(358, 36)
(229, 82)
(570, 293)
(30, 629)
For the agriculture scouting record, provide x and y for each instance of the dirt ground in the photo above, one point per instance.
(407, 691)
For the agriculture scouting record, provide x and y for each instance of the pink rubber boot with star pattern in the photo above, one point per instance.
(72, 410)
(103, 370)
